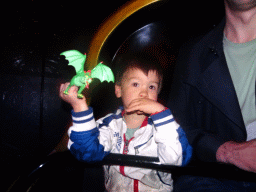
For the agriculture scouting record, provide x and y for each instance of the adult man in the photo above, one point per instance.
(213, 96)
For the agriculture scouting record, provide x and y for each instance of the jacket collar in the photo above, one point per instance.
(213, 66)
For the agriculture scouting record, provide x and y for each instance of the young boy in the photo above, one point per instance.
(142, 126)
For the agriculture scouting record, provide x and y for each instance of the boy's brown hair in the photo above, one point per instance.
(141, 61)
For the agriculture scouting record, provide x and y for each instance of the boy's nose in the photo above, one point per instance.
(143, 93)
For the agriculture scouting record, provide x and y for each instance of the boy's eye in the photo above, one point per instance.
(152, 87)
(135, 84)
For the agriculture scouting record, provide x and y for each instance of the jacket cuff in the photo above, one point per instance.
(83, 116)
(163, 117)
(82, 121)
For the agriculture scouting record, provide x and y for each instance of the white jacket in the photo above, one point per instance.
(159, 136)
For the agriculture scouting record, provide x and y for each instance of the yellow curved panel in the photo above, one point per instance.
(109, 25)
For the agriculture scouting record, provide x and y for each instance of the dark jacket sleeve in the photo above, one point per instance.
(189, 108)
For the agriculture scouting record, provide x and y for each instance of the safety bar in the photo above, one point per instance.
(62, 159)
(206, 169)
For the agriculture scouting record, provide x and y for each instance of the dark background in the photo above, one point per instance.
(34, 33)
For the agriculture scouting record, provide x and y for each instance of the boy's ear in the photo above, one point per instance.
(118, 91)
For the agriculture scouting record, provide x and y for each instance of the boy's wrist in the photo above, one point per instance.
(80, 108)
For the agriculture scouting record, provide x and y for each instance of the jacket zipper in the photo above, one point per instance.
(136, 148)
(125, 151)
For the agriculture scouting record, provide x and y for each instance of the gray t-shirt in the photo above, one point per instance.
(130, 132)
(241, 60)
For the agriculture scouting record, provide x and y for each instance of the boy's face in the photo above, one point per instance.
(135, 84)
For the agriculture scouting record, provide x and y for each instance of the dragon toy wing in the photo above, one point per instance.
(76, 59)
(103, 73)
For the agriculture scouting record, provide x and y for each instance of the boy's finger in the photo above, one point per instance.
(64, 86)
(136, 104)
(73, 89)
(61, 89)
(134, 107)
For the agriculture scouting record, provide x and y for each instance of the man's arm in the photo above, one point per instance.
(183, 103)
(242, 155)
(208, 146)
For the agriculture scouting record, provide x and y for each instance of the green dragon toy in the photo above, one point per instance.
(82, 78)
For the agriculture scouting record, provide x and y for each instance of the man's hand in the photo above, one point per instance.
(77, 104)
(144, 105)
(242, 155)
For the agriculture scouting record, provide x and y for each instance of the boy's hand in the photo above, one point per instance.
(77, 104)
(145, 105)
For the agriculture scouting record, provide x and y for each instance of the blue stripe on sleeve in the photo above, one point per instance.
(82, 113)
(186, 147)
(161, 115)
(83, 121)
(86, 146)
(165, 122)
